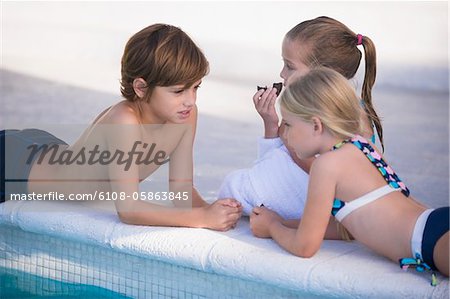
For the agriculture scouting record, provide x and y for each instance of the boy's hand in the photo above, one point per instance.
(264, 101)
(222, 214)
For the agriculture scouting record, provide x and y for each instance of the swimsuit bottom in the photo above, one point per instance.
(431, 225)
(15, 158)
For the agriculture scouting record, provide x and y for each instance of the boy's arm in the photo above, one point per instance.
(218, 216)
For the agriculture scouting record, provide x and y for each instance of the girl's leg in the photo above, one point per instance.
(441, 254)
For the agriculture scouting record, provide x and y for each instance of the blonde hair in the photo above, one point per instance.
(330, 43)
(343, 232)
(326, 94)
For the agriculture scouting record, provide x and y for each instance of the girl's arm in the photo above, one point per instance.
(331, 233)
(264, 101)
(306, 240)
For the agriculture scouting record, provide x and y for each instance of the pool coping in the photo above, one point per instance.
(344, 269)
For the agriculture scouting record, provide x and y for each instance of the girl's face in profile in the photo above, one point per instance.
(174, 103)
(293, 67)
(298, 134)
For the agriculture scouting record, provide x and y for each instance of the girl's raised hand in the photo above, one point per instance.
(261, 219)
(264, 101)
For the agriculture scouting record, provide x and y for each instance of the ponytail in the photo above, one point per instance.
(369, 81)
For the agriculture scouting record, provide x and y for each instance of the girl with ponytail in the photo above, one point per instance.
(279, 179)
(327, 42)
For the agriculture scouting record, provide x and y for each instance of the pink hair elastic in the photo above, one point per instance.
(359, 39)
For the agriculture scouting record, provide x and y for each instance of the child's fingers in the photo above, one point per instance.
(231, 202)
(257, 96)
(266, 94)
(234, 217)
(231, 222)
(270, 99)
(273, 100)
(233, 210)
(257, 210)
(277, 91)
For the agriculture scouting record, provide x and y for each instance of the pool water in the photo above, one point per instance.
(16, 284)
(34, 265)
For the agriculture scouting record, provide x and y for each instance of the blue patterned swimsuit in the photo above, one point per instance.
(430, 226)
(341, 208)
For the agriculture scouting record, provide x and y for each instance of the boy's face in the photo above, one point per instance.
(293, 66)
(175, 103)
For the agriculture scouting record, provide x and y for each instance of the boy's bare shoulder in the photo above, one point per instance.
(121, 113)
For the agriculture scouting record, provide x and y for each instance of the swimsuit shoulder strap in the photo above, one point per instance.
(376, 159)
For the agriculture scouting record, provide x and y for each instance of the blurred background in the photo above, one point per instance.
(81, 43)
(60, 63)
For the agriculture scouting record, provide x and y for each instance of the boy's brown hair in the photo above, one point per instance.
(162, 55)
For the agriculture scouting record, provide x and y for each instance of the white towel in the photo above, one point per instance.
(274, 180)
